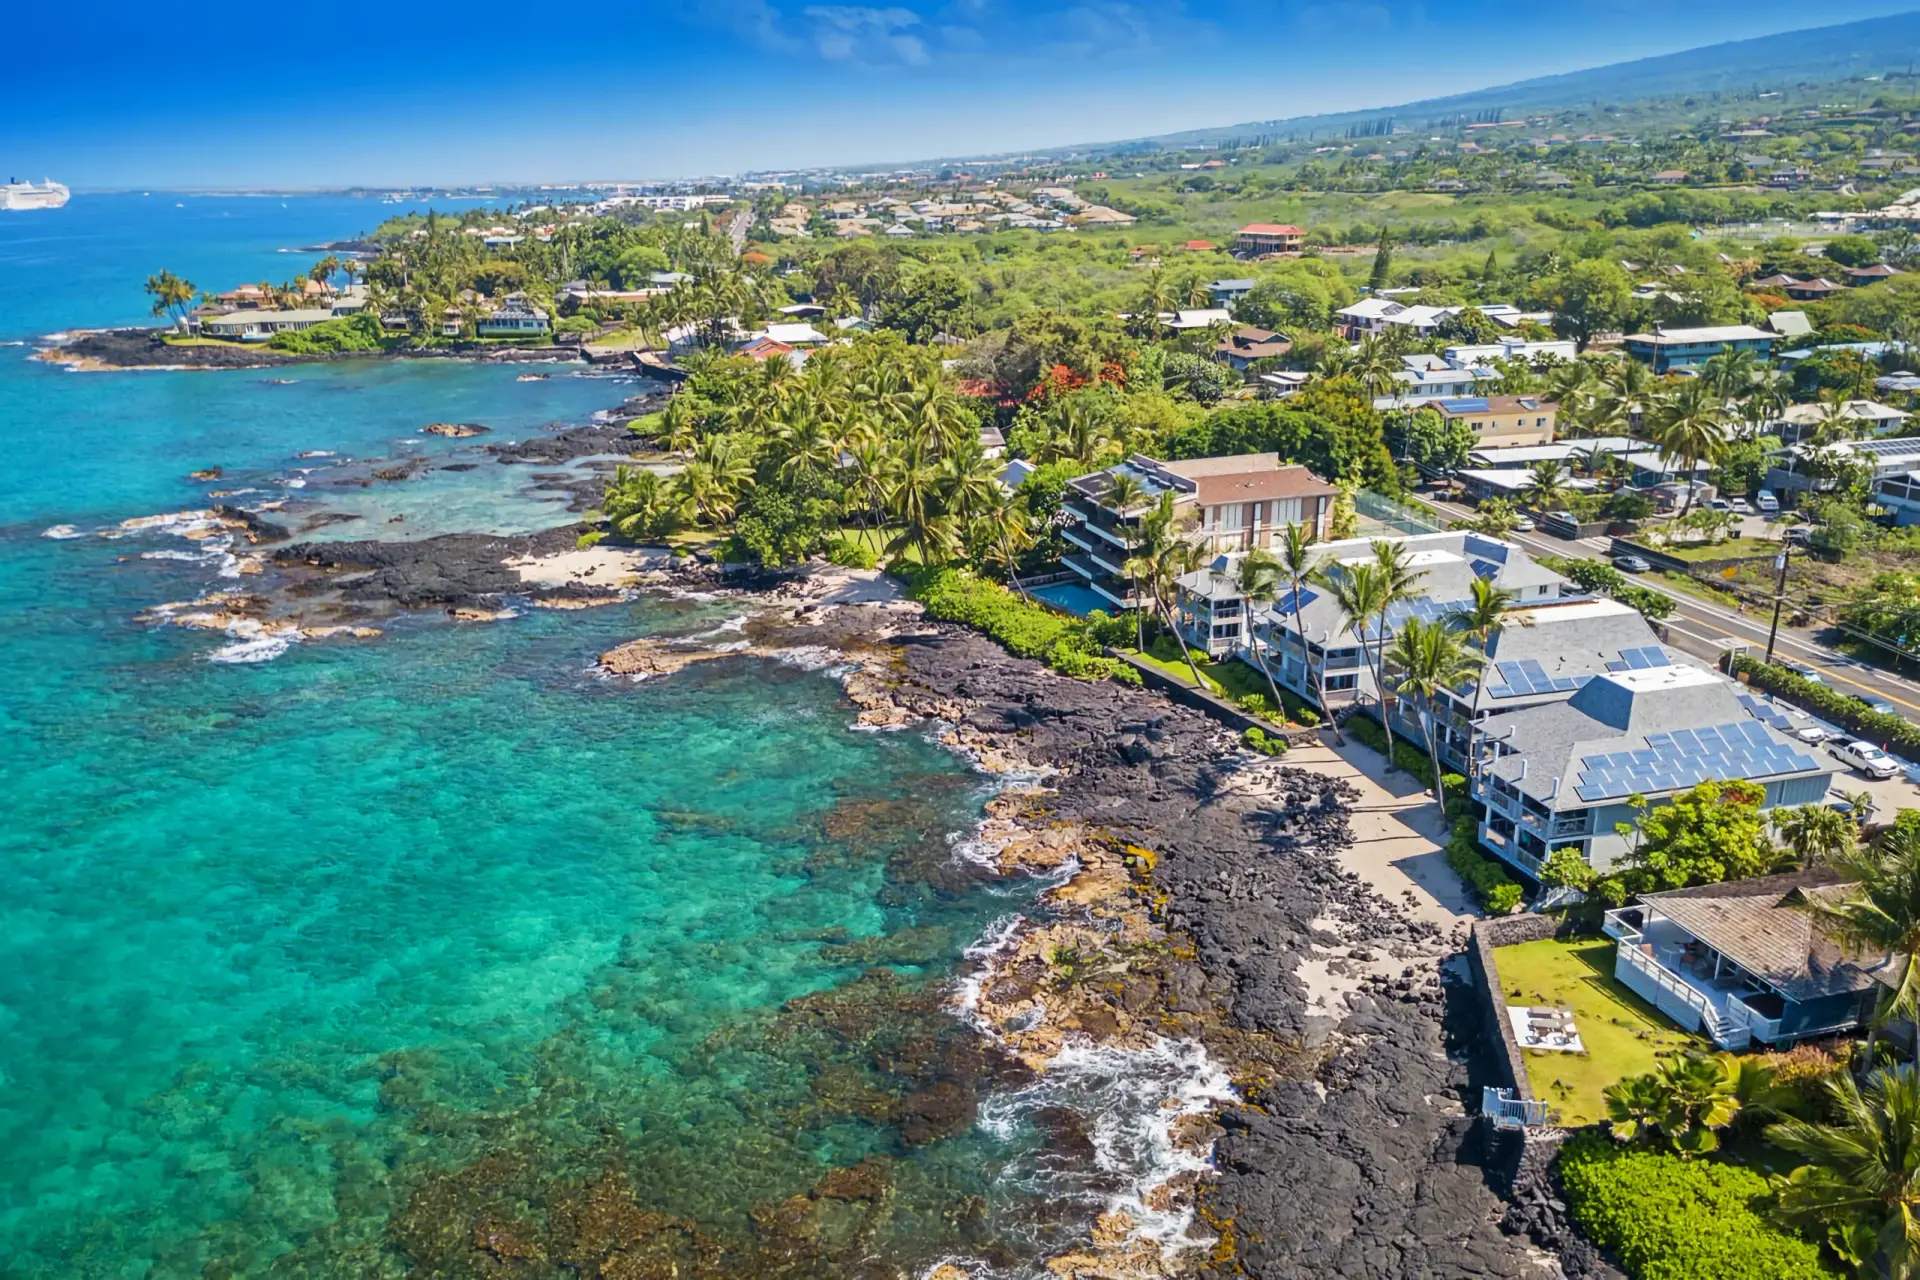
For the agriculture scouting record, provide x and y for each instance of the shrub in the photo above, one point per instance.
(591, 539)
(1257, 740)
(1900, 737)
(1666, 1218)
(851, 553)
(1254, 704)
(1487, 877)
(1109, 632)
(1021, 627)
(330, 337)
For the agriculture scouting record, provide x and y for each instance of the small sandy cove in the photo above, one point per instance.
(601, 566)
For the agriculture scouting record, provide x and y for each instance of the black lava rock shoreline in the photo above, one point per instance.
(1365, 1165)
(107, 349)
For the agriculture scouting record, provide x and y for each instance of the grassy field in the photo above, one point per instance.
(1623, 1034)
(1732, 549)
(1691, 586)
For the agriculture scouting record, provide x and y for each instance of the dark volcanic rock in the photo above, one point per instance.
(142, 349)
(457, 568)
(594, 439)
(1371, 1168)
(252, 527)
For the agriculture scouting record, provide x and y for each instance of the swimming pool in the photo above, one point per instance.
(1075, 598)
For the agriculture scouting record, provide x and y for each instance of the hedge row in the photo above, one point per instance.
(1665, 1218)
(1900, 737)
(1023, 628)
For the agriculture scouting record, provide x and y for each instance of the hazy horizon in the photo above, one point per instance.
(477, 94)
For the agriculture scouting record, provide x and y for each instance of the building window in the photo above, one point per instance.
(1227, 631)
(1336, 684)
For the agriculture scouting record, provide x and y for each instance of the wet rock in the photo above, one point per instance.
(204, 474)
(454, 430)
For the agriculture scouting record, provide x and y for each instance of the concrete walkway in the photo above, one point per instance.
(1399, 835)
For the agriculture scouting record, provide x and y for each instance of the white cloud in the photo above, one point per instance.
(852, 33)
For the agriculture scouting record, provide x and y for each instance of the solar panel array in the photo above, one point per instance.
(1487, 548)
(1427, 610)
(1284, 603)
(1527, 679)
(1766, 714)
(1686, 757)
(1887, 448)
(1641, 659)
(1486, 569)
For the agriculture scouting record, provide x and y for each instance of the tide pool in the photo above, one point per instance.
(422, 954)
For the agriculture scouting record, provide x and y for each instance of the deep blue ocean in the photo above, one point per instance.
(411, 956)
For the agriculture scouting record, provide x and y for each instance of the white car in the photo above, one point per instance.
(1524, 525)
(1814, 734)
(1740, 507)
(1867, 758)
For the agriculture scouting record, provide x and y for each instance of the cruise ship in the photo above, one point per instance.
(32, 195)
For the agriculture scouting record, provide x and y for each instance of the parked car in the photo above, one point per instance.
(1847, 809)
(1867, 758)
(1802, 670)
(1816, 734)
(1800, 535)
(1524, 524)
(1877, 703)
(1913, 773)
(1564, 517)
(1768, 504)
(1720, 504)
(1741, 507)
(1631, 564)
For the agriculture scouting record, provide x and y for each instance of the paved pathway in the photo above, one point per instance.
(1397, 848)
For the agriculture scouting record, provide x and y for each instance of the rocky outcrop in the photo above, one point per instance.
(593, 440)
(454, 430)
(1196, 902)
(456, 569)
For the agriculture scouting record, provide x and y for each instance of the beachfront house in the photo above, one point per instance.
(1221, 504)
(1669, 349)
(1745, 962)
(1564, 774)
(262, 325)
(515, 317)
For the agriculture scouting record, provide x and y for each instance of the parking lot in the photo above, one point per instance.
(1890, 795)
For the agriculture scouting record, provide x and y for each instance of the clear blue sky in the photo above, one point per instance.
(329, 94)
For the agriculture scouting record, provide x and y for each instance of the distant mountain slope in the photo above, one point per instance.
(1871, 47)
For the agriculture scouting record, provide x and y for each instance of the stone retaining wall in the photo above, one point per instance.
(1209, 705)
(1505, 931)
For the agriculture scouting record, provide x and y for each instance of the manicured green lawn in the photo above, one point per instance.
(1623, 1034)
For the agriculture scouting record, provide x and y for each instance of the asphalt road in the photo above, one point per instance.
(1704, 629)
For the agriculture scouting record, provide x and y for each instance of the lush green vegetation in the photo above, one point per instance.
(1669, 1218)
(360, 332)
(1068, 645)
(1622, 1034)
(1855, 716)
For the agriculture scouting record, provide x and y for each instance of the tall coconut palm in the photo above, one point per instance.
(1397, 583)
(913, 497)
(1861, 1180)
(1162, 556)
(1690, 426)
(1257, 577)
(1297, 561)
(1003, 530)
(1358, 590)
(1432, 662)
(1489, 609)
(1881, 915)
(1374, 366)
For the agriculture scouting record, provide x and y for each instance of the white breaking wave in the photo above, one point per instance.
(61, 532)
(1131, 1100)
(254, 649)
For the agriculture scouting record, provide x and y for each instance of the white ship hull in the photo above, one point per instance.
(33, 195)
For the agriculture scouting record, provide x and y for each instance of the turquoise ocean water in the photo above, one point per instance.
(435, 953)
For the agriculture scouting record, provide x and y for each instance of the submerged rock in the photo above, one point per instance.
(454, 430)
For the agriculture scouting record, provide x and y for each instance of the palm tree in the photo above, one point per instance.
(914, 500)
(1861, 1179)
(1433, 663)
(1690, 425)
(1373, 366)
(1547, 486)
(1296, 559)
(1815, 833)
(1397, 582)
(170, 293)
(1358, 590)
(1490, 609)
(1162, 557)
(1258, 577)
(1002, 528)
(1881, 915)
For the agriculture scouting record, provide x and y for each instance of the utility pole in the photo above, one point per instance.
(1779, 594)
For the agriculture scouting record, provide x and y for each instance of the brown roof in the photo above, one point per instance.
(1258, 486)
(1877, 271)
(1757, 925)
(1271, 229)
(1499, 405)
